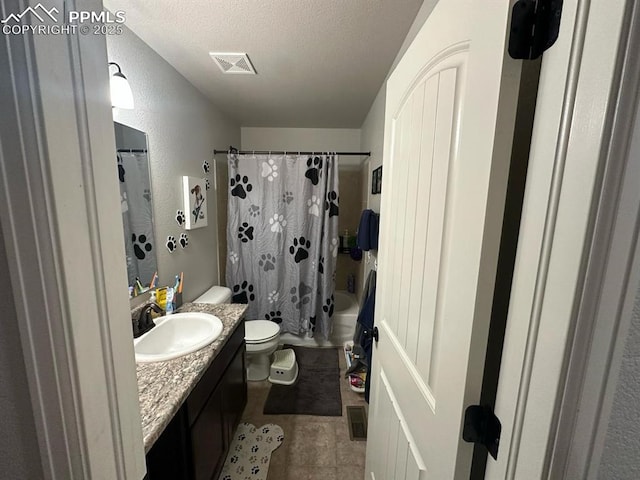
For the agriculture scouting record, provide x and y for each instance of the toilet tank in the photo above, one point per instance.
(215, 295)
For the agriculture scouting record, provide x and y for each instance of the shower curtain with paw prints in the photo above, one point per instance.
(282, 239)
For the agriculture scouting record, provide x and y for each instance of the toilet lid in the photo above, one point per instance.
(260, 331)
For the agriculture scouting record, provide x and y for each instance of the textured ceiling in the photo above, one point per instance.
(320, 63)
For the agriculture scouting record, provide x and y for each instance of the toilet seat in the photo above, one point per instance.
(260, 331)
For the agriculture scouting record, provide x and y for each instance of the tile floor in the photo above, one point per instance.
(314, 448)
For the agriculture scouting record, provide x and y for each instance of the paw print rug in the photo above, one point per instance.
(250, 452)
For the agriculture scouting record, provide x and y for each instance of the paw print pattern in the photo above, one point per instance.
(312, 322)
(287, 197)
(314, 205)
(254, 210)
(277, 223)
(273, 296)
(234, 459)
(314, 168)
(147, 194)
(245, 232)
(180, 217)
(332, 203)
(184, 240)
(234, 257)
(269, 170)
(121, 172)
(333, 247)
(254, 448)
(255, 469)
(275, 317)
(300, 295)
(207, 184)
(140, 246)
(240, 186)
(267, 262)
(328, 306)
(243, 293)
(321, 265)
(300, 249)
(206, 168)
(280, 438)
(171, 243)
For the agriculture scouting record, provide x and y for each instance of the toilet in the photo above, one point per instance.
(261, 336)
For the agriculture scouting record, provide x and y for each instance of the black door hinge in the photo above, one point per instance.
(535, 25)
(483, 427)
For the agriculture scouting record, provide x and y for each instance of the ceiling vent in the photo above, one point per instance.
(233, 63)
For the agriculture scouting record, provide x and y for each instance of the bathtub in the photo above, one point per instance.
(344, 318)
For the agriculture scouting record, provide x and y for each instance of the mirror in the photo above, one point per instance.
(136, 204)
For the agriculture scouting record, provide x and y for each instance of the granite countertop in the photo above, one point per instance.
(164, 386)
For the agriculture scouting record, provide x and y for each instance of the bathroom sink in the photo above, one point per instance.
(176, 335)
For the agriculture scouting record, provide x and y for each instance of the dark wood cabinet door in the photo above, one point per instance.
(208, 438)
(235, 392)
(195, 443)
(170, 458)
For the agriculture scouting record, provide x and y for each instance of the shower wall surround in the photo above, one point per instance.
(183, 128)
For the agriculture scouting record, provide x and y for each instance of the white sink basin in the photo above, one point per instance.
(176, 335)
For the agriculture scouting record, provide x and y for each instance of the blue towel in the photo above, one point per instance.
(368, 230)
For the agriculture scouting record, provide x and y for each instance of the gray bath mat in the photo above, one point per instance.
(250, 452)
(317, 390)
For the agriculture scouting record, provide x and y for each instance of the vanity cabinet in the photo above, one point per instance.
(195, 443)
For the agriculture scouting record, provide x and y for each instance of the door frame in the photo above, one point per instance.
(611, 285)
(556, 275)
(593, 79)
(61, 226)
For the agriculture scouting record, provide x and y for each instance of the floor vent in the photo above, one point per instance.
(357, 417)
(233, 63)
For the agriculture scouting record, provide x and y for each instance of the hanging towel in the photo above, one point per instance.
(368, 230)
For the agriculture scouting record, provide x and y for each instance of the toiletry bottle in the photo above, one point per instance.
(162, 297)
(170, 305)
(351, 283)
(345, 246)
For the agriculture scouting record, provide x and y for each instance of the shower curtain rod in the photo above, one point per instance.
(268, 152)
(132, 150)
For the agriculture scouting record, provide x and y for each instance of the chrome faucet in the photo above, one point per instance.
(144, 322)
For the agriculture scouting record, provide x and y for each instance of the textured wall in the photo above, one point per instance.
(372, 137)
(183, 129)
(351, 206)
(312, 139)
(372, 140)
(621, 456)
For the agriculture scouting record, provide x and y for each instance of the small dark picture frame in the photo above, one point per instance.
(376, 180)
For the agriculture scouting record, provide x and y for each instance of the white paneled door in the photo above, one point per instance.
(450, 112)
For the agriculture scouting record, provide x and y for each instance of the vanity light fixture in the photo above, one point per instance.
(121, 95)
